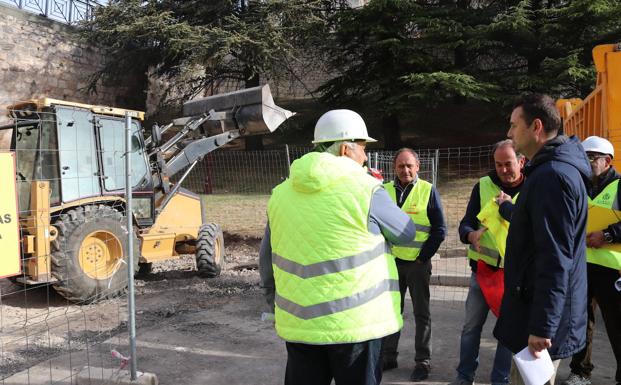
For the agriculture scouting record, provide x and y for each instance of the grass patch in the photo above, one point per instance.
(240, 214)
(245, 215)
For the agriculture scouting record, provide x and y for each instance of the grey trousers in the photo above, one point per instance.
(516, 379)
(415, 277)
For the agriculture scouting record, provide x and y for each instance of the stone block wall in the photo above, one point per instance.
(40, 57)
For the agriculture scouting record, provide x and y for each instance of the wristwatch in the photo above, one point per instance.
(607, 236)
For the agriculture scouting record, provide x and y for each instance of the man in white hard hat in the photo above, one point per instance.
(603, 264)
(325, 260)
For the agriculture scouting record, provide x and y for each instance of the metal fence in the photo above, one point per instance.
(64, 11)
(246, 178)
(45, 336)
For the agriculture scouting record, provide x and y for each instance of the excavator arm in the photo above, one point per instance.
(213, 121)
(207, 124)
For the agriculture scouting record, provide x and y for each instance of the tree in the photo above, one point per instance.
(545, 46)
(395, 54)
(199, 45)
(386, 59)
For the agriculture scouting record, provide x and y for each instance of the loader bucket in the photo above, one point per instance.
(253, 109)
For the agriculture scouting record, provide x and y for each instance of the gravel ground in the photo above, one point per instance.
(192, 330)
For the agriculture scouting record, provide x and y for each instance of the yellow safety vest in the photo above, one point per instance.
(415, 206)
(335, 281)
(489, 254)
(605, 257)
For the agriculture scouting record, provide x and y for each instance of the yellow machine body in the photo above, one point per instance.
(71, 171)
(600, 112)
(176, 224)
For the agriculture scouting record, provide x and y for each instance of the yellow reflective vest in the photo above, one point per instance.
(602, 256)
(415, 206)
(489, 253)
(335, 281)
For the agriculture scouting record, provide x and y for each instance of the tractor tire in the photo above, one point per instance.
(210, 258)
(88, 255)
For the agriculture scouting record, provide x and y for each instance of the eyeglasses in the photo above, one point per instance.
(593, 158)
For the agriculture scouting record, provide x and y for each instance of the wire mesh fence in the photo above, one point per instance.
(246, 178)
(235, 186)
(67, 309)
(70, 256)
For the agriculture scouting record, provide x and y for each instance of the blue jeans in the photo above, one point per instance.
(476, 314)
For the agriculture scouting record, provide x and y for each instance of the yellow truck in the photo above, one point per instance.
(70, 180)
(600, 112)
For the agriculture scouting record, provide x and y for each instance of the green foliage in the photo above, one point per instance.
(442, 86)
(392, 54)
(200, 44)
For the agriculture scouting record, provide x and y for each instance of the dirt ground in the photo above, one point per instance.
(192, 330)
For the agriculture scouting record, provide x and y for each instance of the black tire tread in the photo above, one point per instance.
(206, 259)
(67, 223)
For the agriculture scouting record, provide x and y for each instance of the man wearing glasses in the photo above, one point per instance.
(603, 264)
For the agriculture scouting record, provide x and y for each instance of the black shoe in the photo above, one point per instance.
(420, 373)
(389, 364)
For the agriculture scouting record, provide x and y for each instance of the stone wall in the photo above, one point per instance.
(40, 57)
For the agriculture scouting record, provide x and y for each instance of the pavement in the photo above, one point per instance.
(229, 344)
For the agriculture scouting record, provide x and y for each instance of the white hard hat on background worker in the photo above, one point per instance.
(337, 125)
(598, 144)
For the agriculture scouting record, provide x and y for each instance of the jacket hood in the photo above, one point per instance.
(317, 170)
(562, 149)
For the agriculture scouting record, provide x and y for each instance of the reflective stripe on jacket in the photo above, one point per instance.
(603, 256)
(415, 206)
(335, 281)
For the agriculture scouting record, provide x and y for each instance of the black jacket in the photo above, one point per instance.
(545, 261)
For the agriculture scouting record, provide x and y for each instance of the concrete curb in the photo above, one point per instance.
(90, 375)
(450, 280)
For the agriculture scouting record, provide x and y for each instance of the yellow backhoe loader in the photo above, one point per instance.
(70, 179)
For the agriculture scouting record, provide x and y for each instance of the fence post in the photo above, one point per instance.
(436, 166)
(130, 248)
(288, 159)
(70, 16)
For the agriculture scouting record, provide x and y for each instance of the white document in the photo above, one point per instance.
(534, 371)
(618, 284)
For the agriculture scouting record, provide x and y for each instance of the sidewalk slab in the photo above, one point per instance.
(103, 376)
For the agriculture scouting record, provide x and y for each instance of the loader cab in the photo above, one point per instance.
(80, 150)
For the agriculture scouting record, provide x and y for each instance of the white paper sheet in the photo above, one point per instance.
(534, 371)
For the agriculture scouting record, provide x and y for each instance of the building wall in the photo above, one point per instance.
(40, 57)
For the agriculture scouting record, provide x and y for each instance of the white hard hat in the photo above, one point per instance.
(338, 125)
(597, 144)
